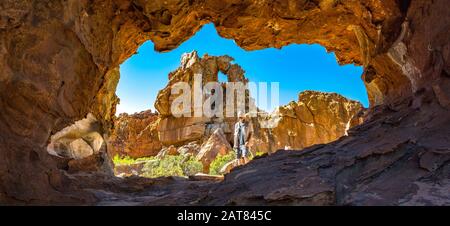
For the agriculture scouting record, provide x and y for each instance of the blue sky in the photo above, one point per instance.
(295, 67)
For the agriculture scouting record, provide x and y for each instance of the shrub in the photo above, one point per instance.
(220, 161)
(127, 160)
(191, 166)
(171, 166)
(258, 154)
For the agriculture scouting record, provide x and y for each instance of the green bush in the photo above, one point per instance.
(220, 161)
(171, 166)
(127, 160)
(258, 154)
(191, 166)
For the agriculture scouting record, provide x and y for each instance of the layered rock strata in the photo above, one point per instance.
(135, 135)
(56, 56)
(179, 131)
(316, 118)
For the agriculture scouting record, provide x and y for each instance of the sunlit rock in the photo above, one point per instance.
(171, 150)
(217, 144)
(182, 130)
(54, 58)
(135, 135)
(79, 140)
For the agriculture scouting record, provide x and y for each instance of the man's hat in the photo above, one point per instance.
(241, 114)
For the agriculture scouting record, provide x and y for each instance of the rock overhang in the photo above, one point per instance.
(79, 43)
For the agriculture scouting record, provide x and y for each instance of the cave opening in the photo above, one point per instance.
(298, 67)
(61, 63)
(137, 146)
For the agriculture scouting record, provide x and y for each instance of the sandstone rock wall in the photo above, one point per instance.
(54, 57)
(316, 118)
(135, 135)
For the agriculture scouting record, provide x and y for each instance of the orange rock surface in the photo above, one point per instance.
(58, 59)
(135, 135)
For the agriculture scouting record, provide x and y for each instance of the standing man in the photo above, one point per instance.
(241, 137)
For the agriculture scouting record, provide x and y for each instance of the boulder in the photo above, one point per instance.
(79, 140)
(91, 163)
(215, 145)
(229, 166)
(80, 149)
(172, 150)
(191, 149)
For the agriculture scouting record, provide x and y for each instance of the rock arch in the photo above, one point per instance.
(59, 62)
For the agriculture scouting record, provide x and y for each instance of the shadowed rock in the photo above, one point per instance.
(57, 59)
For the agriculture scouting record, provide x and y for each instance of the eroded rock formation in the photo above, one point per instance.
(81, 147)
(316, 118)
(78, 140)
(217, 144)
(182, 130)
(56, 56)
(135, 135)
